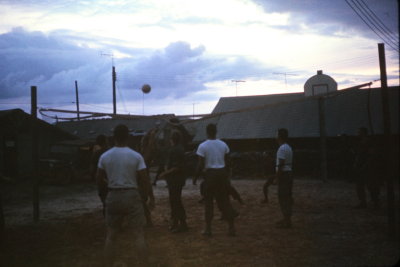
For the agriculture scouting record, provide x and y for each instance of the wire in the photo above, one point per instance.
(387, 30)
(96, 106)
(121, 96)
(374, 22)
(369, 26)
(22, 103)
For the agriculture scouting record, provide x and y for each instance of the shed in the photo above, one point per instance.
(345, 111)
(16, 141)
(137, 125)
(252, 128)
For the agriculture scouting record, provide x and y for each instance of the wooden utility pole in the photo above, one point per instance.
(35, 154)
(114, 79)
(77, 100)
(388, 166)
(322, 134)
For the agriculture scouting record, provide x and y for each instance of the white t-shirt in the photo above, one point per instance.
(213, 152)
(121, 165)
(284, 152)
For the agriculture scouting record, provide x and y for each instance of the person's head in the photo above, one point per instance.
(362, 131)
(175, 138)
(101, 140)
(283, 135)
(121, 134)
(211, 130)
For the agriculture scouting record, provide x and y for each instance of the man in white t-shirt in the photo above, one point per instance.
(284, 157)
(123, 171)
(212, 157)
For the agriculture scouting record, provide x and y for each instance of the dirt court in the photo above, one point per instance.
(326, 231)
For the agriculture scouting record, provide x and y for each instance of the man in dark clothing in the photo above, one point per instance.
(284, 157)
(212, 154)
(160, 159)
(175, 177)
(366, 168)
(232, 192)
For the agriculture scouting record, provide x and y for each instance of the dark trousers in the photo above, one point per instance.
(285, 185)
(175, 186)
(231, 192)
(217, 186)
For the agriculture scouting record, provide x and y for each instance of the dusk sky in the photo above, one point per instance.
(188, 51)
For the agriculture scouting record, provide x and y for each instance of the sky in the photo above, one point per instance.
(190, 52)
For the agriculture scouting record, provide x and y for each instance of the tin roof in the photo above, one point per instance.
(345, 112)
(15, 120)
(90, 129)
(235, 103)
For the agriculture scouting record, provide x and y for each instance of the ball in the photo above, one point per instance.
(146, 88)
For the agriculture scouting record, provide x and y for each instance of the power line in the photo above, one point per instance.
(121, 97)
(369, 26)
(380, 22)
(22, 103)
(358, 13)
(96, 106)
(374, 22)
(301, 69)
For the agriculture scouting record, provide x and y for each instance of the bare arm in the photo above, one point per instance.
(102, 182)
(144, 183)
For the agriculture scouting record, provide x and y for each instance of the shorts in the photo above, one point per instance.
(124, 204)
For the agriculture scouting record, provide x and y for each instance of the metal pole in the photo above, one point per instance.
(35, 154)
(388, 174)
(77, 99)
(114, 79)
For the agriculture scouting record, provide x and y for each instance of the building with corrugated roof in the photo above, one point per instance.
(137, 125)
(259, 117)
(16, 141)
(249, 124)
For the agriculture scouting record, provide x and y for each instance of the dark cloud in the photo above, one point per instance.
(330, 17)
(54, 61)
(33, 57)
(179, 70)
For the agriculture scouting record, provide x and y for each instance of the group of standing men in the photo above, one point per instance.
(123, 174)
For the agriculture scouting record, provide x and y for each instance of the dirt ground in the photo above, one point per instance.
(326, 231)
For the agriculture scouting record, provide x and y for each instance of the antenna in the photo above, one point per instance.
(108, 55)
(114, 79)
(236, 82)
(285, 74)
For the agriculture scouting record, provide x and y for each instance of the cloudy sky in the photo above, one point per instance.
(189, 51)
